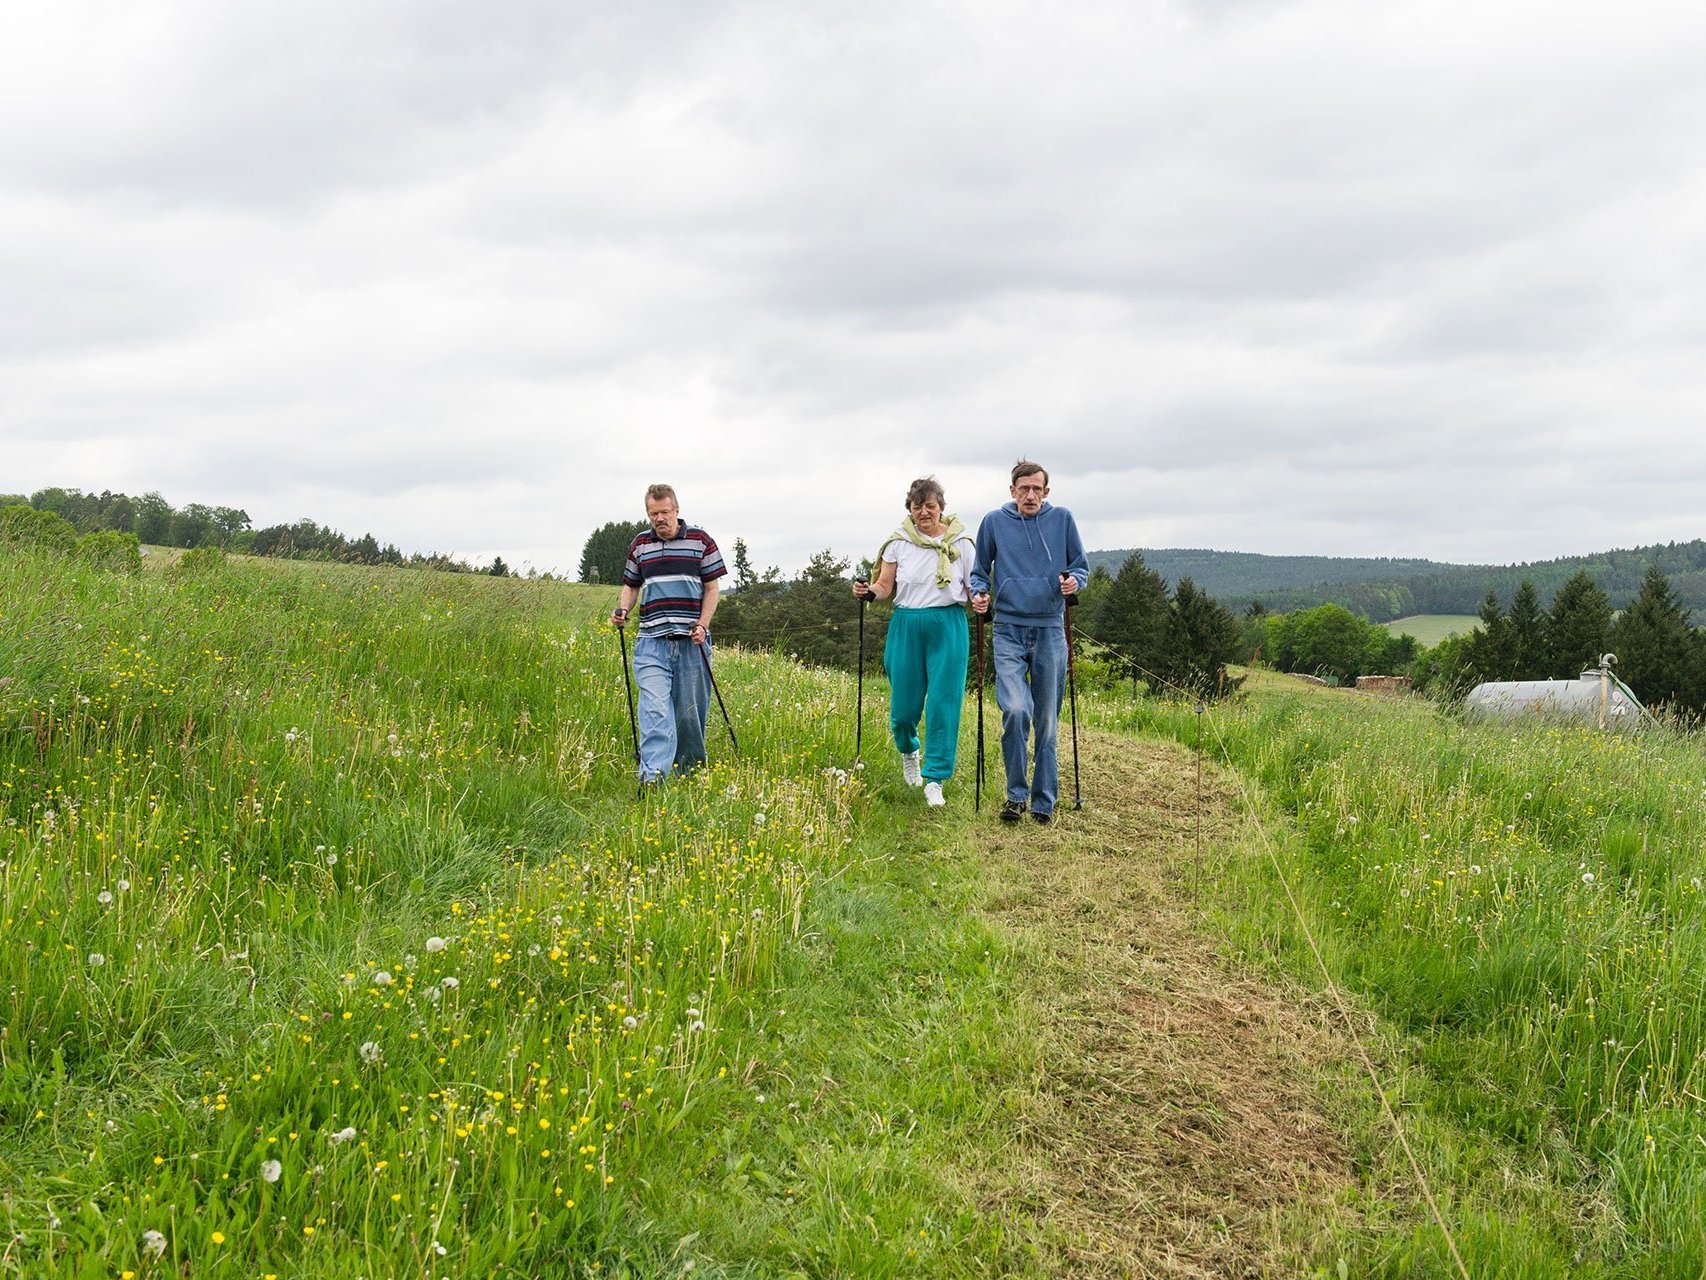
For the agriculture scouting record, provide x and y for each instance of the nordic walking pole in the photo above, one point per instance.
(859, 723)
(1196, 878)
(628, 686)
(1072, 689)
(977, 789)
(705, 657)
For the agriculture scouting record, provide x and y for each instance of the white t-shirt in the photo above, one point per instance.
(915, 575)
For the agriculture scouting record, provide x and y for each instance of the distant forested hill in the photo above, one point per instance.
(1246, 575)
(1386, 589)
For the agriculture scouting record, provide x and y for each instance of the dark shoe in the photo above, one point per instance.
(1012, 811)
(1042, 819)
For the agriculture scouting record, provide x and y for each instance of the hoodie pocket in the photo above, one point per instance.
(1030, 595)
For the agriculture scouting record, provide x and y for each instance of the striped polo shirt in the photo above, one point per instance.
(671, 574)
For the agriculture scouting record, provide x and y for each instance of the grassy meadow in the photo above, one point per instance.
(1430, 628)
(1521, 907)
(336, 943)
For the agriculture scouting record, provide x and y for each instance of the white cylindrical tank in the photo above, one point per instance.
(1595, 697)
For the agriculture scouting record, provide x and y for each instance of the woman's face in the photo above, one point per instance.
(927, 515)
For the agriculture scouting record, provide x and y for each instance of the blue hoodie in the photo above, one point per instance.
(1023, 558)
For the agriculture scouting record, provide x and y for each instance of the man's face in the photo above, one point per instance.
(1029, 492)
(664, 516)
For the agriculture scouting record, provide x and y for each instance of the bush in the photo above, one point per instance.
(203, 559)
(43, 530)
(111, 550)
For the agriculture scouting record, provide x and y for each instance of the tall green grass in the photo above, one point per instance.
(1524, 902)
(335, 943)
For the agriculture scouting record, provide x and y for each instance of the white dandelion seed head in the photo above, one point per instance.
(104, 897)
(630, 1022)
(332, 859)
(382, 979)
(436, 943)
(450, 982)
(759, 819)
(697, 1025)
(371, 1052)
(96, 959)
(344, 1135)
(153, 1243)
(1587, 877)
(124, 886)
(693, 1013)
(271, 1171)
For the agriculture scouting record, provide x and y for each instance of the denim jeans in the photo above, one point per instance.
(675, 699)
(1030, 676)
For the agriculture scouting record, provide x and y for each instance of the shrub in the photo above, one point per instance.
(27, 527)
(111, 550)
(203, 559)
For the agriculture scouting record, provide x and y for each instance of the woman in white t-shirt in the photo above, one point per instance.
(926, 566)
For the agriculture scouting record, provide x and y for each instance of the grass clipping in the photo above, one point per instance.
(1180, 1119)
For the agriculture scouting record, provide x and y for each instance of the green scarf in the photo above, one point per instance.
(946, 552)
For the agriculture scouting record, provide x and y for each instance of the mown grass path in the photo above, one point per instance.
(1181, 1128)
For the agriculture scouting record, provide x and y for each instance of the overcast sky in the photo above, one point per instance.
(1348, 278)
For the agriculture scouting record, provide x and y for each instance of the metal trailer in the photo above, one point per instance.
(1595, 697)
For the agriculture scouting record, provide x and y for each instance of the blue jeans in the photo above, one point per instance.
(1030, 676)
(675, 699)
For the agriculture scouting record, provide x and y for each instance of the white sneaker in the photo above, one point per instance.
(909, 768)
(933, 795)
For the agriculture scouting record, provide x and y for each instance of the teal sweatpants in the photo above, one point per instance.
(925, 657)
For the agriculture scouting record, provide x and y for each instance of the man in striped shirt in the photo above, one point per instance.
(672, 571)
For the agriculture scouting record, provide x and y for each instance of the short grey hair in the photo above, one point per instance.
(923, 490)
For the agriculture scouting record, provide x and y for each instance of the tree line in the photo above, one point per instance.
(1660, 655)
(158, 523)
(1460, 589)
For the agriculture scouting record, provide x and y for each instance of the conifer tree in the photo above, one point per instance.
(1202, 637)
(1527, 634)
(1133, 619)
(607, 550)
(744, 576)
(1658, 653)
(1492, 652)
(1578, 627)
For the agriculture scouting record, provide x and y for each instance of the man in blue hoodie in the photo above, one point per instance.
(1030, 562)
